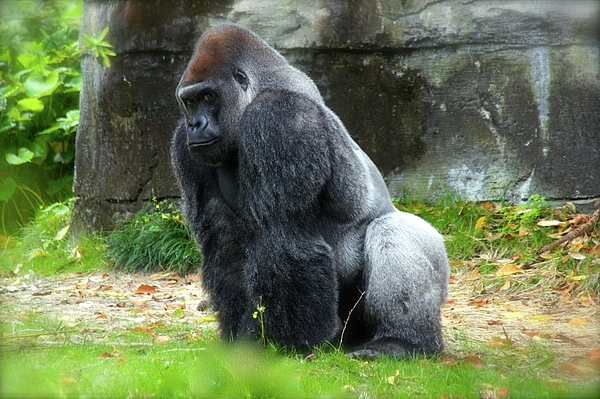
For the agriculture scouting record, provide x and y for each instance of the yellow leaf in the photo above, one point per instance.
(480, 223)
(578, 321)
(505, 286)
(391, 379)
(540, 318)
(513, 315)
(508, 269)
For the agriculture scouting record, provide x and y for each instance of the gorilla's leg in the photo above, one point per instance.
(406, 277)
(292, 275)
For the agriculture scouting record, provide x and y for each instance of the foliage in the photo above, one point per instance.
(43, 248)
(156, 238)
(40, 81)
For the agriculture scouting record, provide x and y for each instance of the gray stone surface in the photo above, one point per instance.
(489, 100)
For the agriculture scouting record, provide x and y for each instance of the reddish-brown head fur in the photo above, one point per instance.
(216, 49)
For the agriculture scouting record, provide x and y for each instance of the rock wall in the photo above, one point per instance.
(489, 100)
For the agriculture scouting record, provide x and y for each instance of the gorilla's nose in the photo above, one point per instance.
(200, 132)
(197, 124)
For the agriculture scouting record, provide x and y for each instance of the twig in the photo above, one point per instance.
(578, 232)
(348, 318)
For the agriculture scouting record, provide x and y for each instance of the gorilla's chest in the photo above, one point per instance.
(228, 184)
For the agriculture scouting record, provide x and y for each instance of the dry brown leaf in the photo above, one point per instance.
(477, 303)
(475, 361)
(505, 286)
(595, 357)
(474, 274)
(508, 269)
(145, 289)
(106, 355)
(573, 368)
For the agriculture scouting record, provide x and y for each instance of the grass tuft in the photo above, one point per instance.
(154, 239)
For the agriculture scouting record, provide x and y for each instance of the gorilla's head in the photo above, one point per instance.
(229, 68)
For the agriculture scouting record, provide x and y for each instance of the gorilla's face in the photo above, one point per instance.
(212, 111)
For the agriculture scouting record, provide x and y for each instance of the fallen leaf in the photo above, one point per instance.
(68, 380)
(505, 286)
(480, 223)
(106, 355)
(450, 303)
(578, 321)
(595, 357)
(391, 379)
(477, 303)
(161, 339)
(474, 274)
(513, 315)
(549, 223)
(498, 342)
(145, 289)
(508, 270)
(540, 318)
(122, 360)
(475, 361)
(102, 316)
(576, 256)
(62, 233)
(573, 368)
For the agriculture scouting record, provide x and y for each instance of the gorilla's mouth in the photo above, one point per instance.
(199, 145)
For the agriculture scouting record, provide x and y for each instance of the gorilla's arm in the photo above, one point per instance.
(217, 230)
(284, 155)
(284, 163)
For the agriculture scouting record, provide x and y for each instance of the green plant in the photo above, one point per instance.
(40, 81)
(43, 246)
(523, 215)
(156, 238)
(260, 315)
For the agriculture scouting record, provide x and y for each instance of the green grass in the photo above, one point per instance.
(40, 359)
(44, 357)
(154, 239)
(44, 247)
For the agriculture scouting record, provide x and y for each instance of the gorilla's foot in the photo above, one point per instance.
(389, 347)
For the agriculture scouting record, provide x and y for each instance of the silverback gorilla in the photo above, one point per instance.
(291, 214)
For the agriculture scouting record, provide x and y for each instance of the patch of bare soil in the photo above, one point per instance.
(116, 301)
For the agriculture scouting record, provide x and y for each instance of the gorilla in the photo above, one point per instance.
(291, 215)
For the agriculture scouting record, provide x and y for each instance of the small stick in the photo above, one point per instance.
(348, 318)
(578, 232)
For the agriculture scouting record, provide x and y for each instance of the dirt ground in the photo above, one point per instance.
(115, 301)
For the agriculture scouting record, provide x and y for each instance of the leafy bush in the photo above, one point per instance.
(40, 81)
(156, 238)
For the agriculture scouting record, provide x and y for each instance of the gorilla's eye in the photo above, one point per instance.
(241, 78)
(208, 97)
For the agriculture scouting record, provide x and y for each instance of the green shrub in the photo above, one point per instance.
(156, 238)
(40, 81)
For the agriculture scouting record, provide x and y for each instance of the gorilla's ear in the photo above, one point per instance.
(241, 78)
